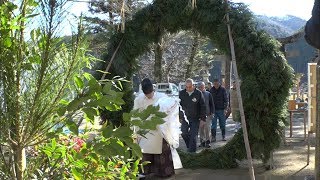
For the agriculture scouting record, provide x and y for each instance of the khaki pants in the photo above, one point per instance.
(205, 129)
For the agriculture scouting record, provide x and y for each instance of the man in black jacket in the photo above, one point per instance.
(220, 99)
(192, 103)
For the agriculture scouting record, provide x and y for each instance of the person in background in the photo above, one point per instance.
(220, 99)
(153, 146)
(192, 103)
(205, 126)
(209, 86)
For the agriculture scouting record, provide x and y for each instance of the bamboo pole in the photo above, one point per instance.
(243, 121)
(111, 60)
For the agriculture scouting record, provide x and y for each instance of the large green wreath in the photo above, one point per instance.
(265, 74)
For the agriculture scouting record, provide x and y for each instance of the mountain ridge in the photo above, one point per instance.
(279, 27)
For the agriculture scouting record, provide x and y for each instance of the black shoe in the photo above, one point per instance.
(223, 138)
(208, 144)
(213, 139)
(213, 135)
(203, 144)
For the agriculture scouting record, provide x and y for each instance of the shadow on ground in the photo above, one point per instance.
(290, 160)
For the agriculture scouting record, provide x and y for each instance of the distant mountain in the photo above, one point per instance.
(280, 26)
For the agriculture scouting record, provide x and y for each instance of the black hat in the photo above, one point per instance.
(147, 86)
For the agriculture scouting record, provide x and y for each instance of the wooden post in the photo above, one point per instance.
(317, 156)
(291, 117)
(243, 120)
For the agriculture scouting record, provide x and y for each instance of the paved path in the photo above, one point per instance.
(290, 160)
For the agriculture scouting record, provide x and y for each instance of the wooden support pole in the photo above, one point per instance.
(243, 121)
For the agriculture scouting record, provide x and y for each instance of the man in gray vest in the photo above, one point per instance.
(205, 125)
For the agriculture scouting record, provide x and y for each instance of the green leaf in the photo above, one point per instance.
(136, 122)
(7, 42)
(53, 143)
(111, 150)
(104, 72)
(94, 156)
(90, 113)
(126, 117)
(120, 85)
(47, 152)
(102, 151)
(75, 104)
(107, 87)
(112, 107)
(94, 86)
(152, 123)
(122, 132)
(136, 150)
(35, 59)
(61, 110)
(72, 126)
(107, 131)
(64, 102)
(79, 82)
(76, 174)
(88, 76)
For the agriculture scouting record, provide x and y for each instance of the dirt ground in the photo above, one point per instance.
(290, 160)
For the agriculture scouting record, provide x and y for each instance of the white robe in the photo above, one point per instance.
(152, 142)
(170, 130)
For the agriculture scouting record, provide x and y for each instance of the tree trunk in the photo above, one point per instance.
(194, 50)
(317, 156)
(243, 120)
(20, 162)
(158, 53)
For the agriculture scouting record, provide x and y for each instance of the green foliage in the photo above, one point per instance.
(102, 158)
(110, 153)
(266, 76)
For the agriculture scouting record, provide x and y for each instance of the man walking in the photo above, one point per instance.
(153, 146)
(220, 100)
(205, 126)
(192, 103)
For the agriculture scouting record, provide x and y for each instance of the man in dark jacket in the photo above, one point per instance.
(220, 99)
(192, 103)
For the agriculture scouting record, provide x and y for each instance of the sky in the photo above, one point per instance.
(299, 8)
